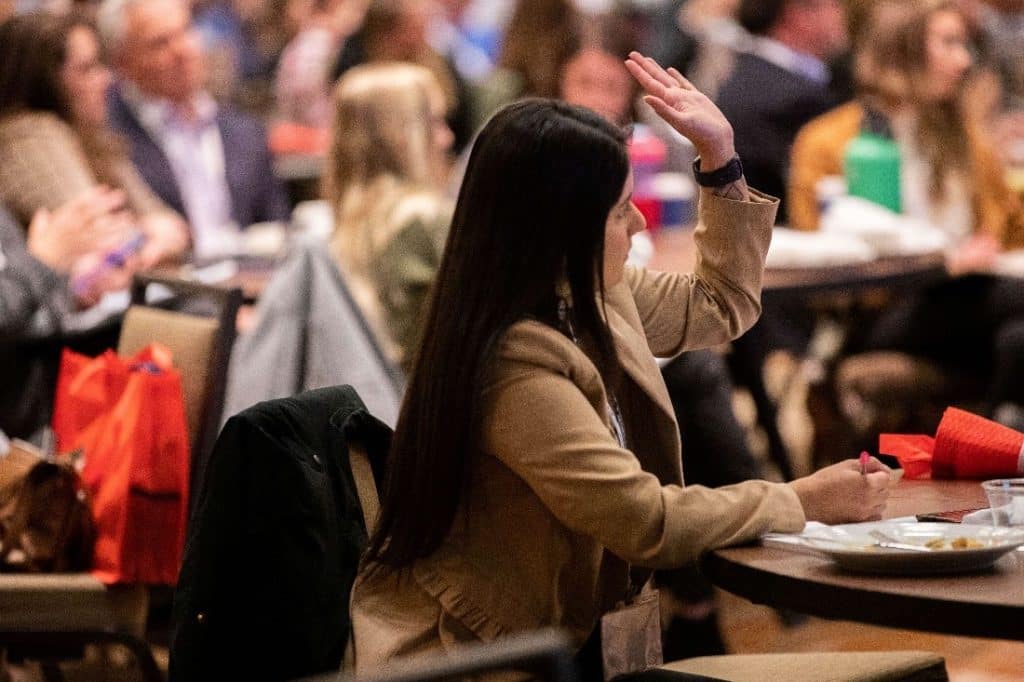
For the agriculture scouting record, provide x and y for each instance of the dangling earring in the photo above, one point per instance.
(563, 290)
(564, 293)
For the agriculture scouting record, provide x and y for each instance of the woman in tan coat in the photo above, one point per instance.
(536, 458)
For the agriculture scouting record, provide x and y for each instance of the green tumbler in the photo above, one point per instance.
(871, 164)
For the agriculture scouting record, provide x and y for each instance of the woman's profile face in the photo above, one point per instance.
(947, 53)
(624, 220)
(85, 78)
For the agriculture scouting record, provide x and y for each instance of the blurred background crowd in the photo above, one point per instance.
(138, 134)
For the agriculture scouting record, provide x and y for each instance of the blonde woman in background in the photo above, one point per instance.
(912, 64)
(541, 38)
(383, 179)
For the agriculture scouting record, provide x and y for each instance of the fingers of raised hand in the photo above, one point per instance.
(680, 79)
(653, 77)
(659, 74)
(646, 80)
(661, 107)
(671, 104)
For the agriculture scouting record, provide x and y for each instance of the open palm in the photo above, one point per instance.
(686, 109)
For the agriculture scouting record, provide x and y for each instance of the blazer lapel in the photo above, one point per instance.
(638, 361)
(234, 170)
(147, 156)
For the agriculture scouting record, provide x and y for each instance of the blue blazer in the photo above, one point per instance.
(767, 105)
(257, 195)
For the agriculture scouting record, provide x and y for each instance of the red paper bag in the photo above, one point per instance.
(970, 446)
(965, 446)
(128, 417)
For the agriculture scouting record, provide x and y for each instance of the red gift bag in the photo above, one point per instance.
(965, 445)
(128, 416)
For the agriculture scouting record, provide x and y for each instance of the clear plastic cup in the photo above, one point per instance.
(1006, 498)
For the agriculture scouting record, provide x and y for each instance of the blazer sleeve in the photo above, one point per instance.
(818, 152)
(141, 197)
(721, 299)
(540, 425)
(999, 210)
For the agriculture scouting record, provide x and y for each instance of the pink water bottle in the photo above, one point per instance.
(646, 156)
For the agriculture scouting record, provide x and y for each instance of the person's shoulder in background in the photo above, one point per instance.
(818, 152)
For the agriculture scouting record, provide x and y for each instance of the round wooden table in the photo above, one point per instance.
(985, 604)
(675, 251)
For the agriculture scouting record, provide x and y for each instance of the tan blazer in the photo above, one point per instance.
(556, 510)
(818, 151)
(43, 164)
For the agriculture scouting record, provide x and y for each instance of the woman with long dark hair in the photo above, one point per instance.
(536, 458)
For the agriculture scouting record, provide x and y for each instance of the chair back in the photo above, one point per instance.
(310, 334)
(274, 546)
(192, 341)
(197, 323)
(543, 654)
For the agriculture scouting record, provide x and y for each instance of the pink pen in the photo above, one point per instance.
(864, 457)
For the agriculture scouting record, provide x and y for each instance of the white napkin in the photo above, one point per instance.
(813, 531)
(797, 249)
(313, 218)
(1010, 264)
(888, 233)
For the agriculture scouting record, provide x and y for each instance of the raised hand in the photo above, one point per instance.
(686, 109)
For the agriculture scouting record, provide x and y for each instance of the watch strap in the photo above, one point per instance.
(729, 173)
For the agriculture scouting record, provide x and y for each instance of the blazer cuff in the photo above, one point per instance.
(790, 517)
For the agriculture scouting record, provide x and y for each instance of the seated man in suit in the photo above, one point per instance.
(780, 82)
(207, 162)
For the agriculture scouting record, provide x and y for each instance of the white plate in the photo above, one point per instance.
(852, 548)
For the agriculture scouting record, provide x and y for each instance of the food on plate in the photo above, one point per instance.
(955, 543)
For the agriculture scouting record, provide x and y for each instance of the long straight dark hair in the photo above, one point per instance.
(541, 180)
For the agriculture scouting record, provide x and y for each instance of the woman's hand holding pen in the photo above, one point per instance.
(844, 492)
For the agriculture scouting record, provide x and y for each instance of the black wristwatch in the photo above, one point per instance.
(729, 173)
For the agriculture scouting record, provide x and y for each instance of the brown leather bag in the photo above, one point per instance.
(45, 521)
